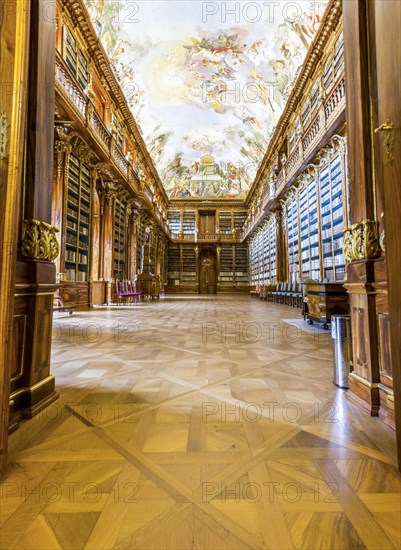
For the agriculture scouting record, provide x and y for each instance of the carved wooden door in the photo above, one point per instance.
(207, 277)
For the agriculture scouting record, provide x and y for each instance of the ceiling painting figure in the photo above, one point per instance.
(206, 82)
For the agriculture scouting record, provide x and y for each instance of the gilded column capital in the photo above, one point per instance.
(39, 240)
(361, 241)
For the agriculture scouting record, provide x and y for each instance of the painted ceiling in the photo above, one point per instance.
(206, 81)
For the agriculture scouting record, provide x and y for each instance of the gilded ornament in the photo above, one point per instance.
(3, 134)
(361, 241)
(39, 241)
(382, 240)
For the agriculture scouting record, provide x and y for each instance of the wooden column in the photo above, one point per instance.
(32, 385)
(14, 46)
(281, 229)
(385, 42)
(132, 244)
(361, 245)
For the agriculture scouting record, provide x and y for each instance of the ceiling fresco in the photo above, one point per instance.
(206, 82)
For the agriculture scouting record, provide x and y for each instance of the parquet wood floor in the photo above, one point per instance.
(198, 423)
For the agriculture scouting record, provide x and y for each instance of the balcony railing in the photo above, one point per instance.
(100, 130)
(69, 88)
(323, 117)
(205, 237)
(119, 158)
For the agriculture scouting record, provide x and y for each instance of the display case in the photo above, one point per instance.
(325, 300)
(77, 220)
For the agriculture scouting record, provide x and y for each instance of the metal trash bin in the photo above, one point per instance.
(342, 349)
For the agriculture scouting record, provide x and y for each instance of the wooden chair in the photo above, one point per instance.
(275, 293)
(121, 292)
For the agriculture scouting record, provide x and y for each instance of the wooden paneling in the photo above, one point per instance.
(358, 110)
(97, 293)
(386, 22)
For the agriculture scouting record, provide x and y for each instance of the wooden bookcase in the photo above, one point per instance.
(316, 215)
(226, 275)
(188, 266)
(225, 221)
(78, 211)
(188, 221)
(174, 265)
(119, 241)
(241, 266)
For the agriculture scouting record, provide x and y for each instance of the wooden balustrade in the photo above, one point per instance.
(100, 129)
(70, 89)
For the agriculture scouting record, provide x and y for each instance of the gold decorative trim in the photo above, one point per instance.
(361, 241)
(382, 240)
(39, 240)
(363, 381)
(3, 134)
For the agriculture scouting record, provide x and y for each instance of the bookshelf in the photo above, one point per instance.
(174, 220)
(332, 220)
(239, 220)
(174, 265)
(75, 59)
(293, 239)
(225, 221)
(263, 254)
(253, 261)
(188, 221)
(188, 265)
(77, 220)
(241, 265)
(226, 276)
(339, 56)
(141, 242)
(119, 241)
(316, 218)
(309, 231)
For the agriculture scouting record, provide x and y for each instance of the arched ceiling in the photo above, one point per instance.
(206, 81)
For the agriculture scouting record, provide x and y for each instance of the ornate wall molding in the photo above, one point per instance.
(361, 241)
(39, 241)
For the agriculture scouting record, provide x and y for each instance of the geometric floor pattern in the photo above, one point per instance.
(198, 422)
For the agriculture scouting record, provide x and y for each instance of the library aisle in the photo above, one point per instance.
(198, 422)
